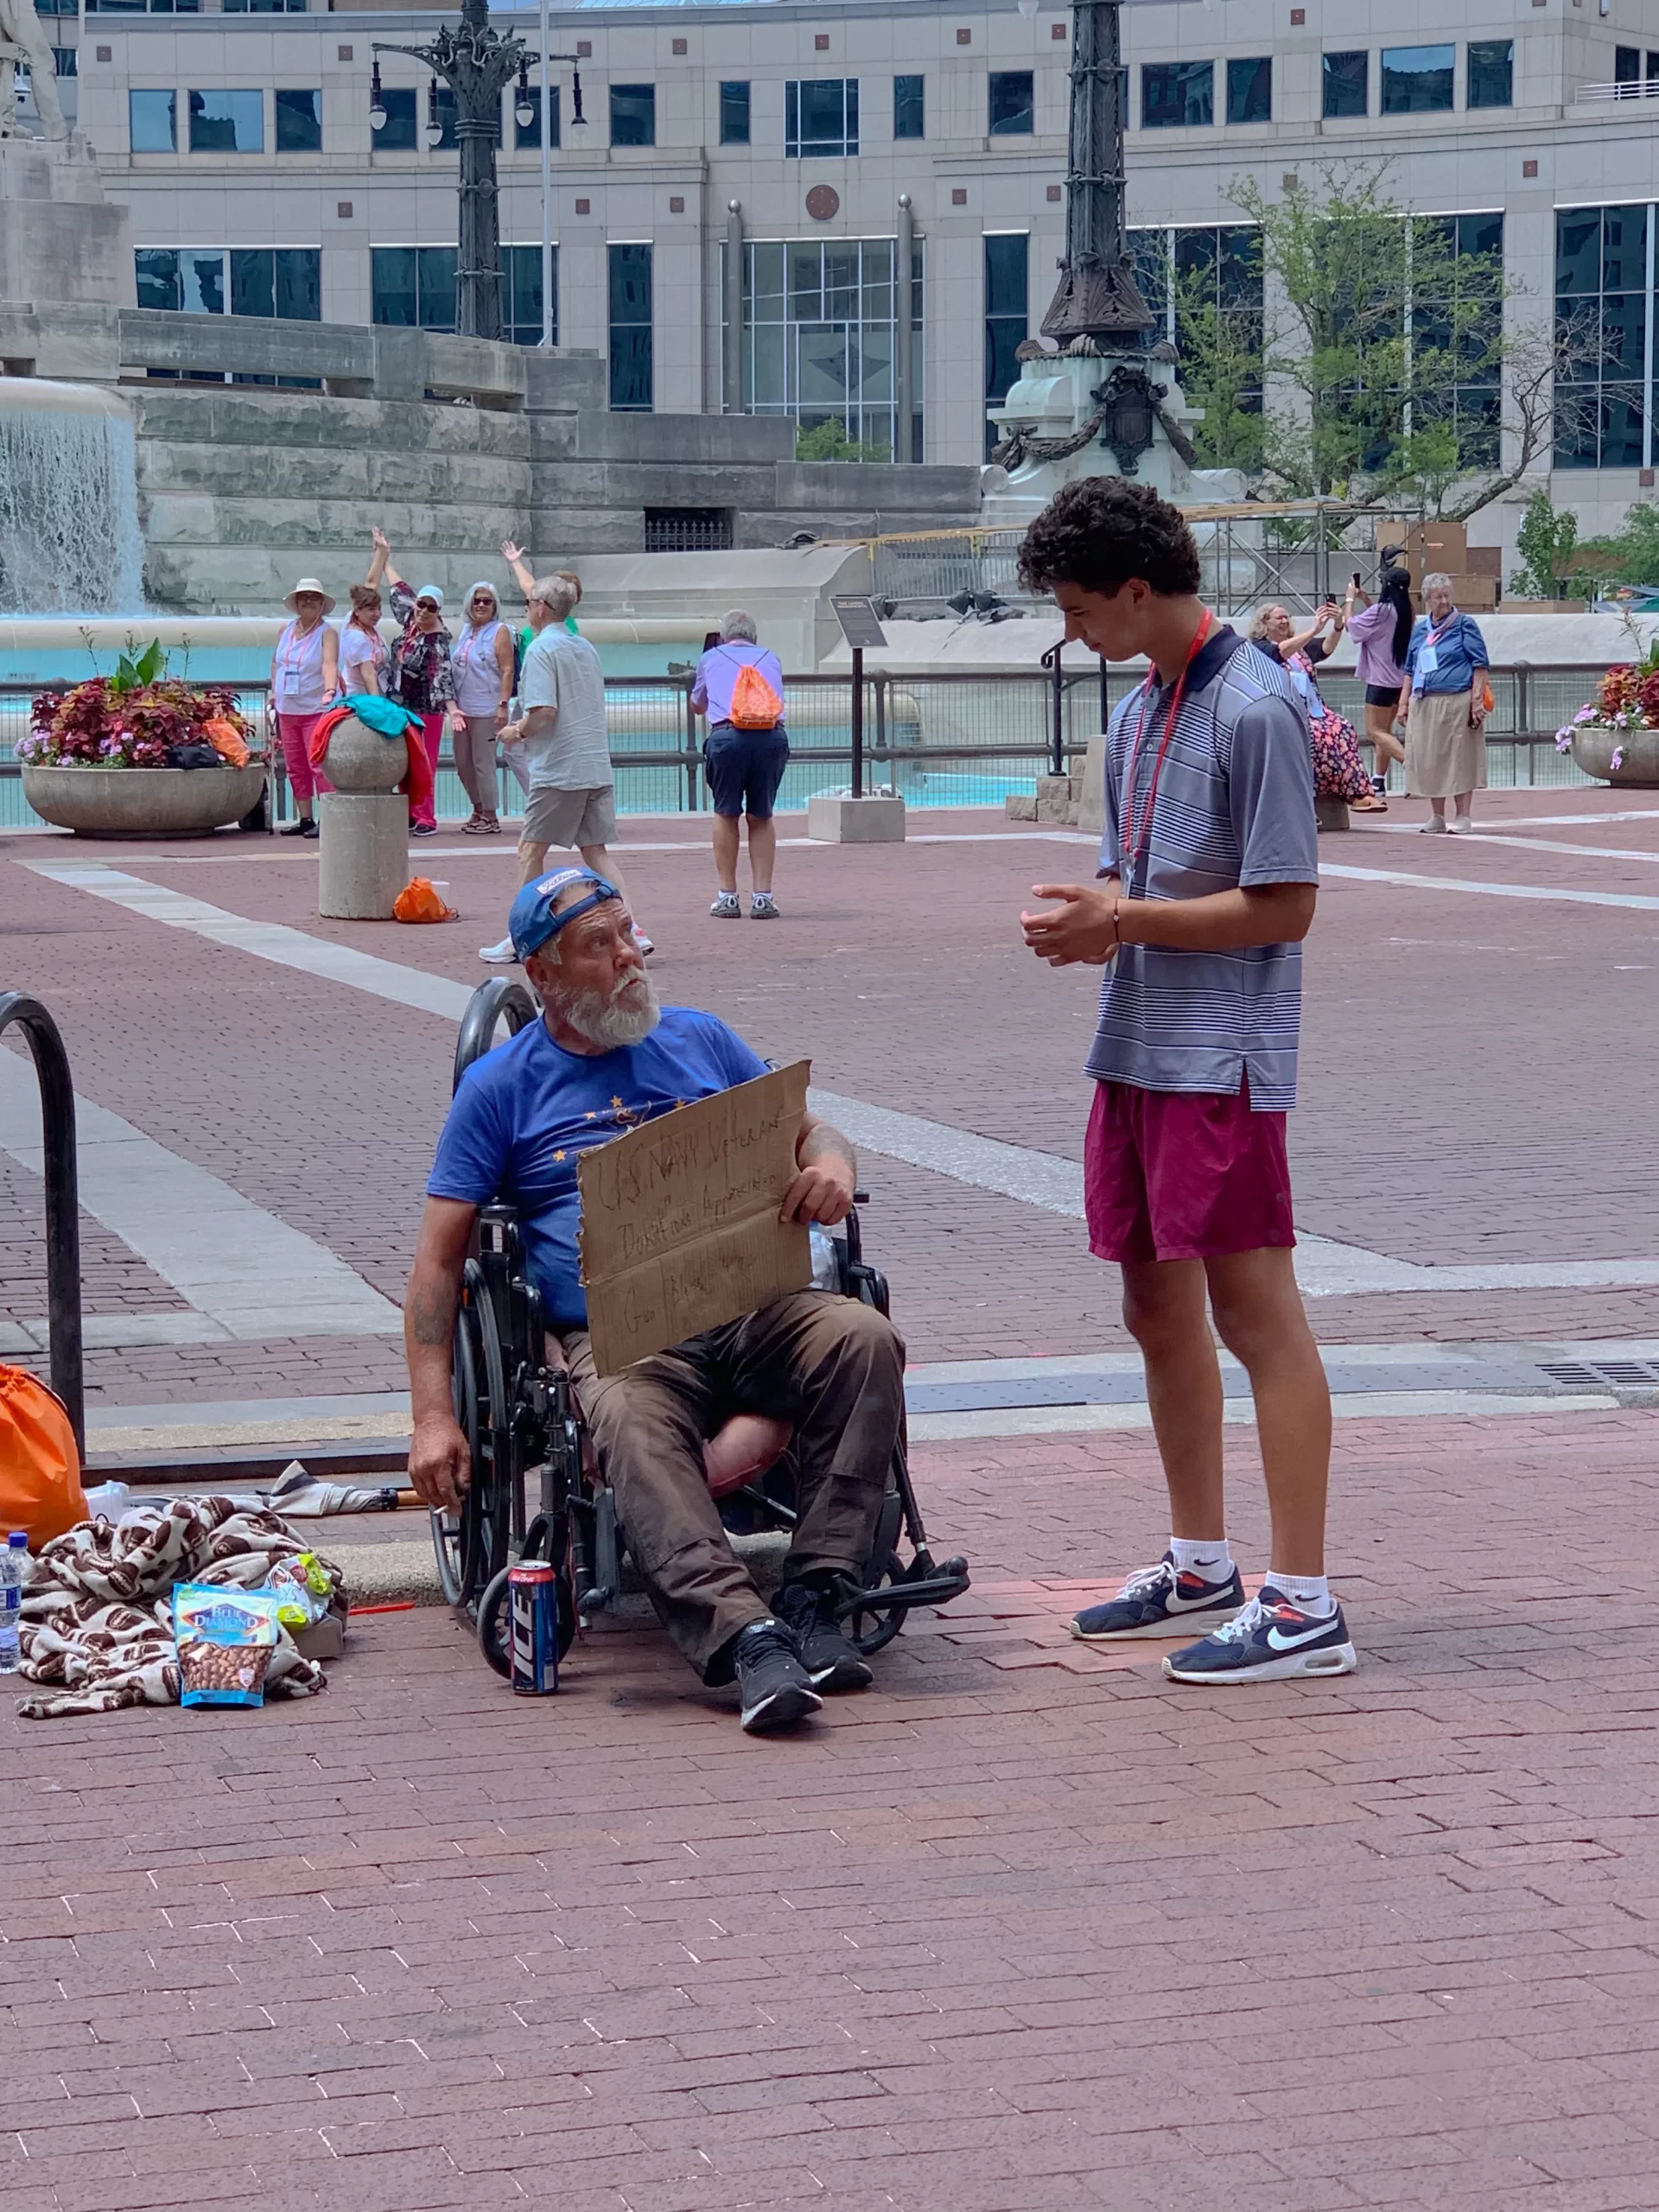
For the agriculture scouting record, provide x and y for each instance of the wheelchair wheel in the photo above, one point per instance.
(471, 1544)
(493, 1627)
(871, 1629)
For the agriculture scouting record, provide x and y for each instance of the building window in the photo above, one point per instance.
(1469, 249)
(688, 529)
(733, 113)
(521, 295)
(1627, 64)
(65, 61)
(119, 7)
(397, 133)
(1011, 104)
(1417, 80)
(413, 287)
(264, 7)
(1174, 94)
(262, 280)
(820, 118)
(1602, 318)
(57, 7)
(152, 122)
(530, 134)
(632, 378)
(819, 337)
(1207, 267)
(633, 114)
(1491, 72)
(1347, 80)
(227, 122)
(299, 122)
(908, 112)
(1249, 90)
(1007, 256)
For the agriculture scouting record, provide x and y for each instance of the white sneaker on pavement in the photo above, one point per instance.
(499, 955)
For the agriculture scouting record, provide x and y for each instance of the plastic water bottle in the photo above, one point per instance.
(14, 1566)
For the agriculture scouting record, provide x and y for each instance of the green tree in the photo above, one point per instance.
(1386, 370)
(828, 441)
(1546, 542)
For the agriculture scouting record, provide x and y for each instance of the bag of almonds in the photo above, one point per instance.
(226, 1638)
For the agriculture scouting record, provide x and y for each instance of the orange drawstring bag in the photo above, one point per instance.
(227, 741)
(754, 705)
(418, 901)
(39, 1467)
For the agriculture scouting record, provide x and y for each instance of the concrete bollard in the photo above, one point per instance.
(838, 821)
(362, 826)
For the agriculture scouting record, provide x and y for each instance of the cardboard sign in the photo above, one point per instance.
(679, 1218)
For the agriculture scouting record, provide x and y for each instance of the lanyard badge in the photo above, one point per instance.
(1140, 841)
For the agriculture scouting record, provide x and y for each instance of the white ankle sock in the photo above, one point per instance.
(1311, 1593)
(1210, 1557)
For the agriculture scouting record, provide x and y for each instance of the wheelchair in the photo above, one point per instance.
(536, 1492)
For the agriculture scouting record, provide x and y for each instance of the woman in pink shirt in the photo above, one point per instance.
(1381, 633)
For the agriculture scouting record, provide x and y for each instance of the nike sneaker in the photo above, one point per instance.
(1160, 1601)
(1270, 1641)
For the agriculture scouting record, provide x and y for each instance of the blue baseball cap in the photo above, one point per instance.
(532, 921)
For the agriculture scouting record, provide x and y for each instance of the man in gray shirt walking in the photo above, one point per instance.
(561, 726)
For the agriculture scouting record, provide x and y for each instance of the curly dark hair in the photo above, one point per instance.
(1100, 531)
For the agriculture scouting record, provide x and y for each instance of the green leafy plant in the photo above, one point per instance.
(138, 674)
(1546, 542)
(829, 441)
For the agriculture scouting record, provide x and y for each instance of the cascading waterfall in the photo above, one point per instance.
(69, 535)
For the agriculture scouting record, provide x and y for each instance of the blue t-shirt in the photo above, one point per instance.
(525, 1112)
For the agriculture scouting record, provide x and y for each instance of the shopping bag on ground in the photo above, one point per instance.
(418, 901)
(39, 1467)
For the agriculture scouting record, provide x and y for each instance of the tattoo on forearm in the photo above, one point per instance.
(825, 1143)
(431, 1315)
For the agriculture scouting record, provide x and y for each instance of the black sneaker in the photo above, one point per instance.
(832, 1660)
(773, 1682)
(1158, 1601)
(303, 827)
(1269, 1641)
(423, 828)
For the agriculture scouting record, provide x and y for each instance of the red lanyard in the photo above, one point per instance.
(1140, 841)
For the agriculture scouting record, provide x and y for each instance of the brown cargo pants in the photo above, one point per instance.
(831, 1367)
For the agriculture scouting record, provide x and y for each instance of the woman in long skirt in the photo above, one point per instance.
(1445, 711)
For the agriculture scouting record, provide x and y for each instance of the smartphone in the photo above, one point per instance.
(710, 641)
(1356, 582)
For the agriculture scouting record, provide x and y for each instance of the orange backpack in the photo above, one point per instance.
(39, 1467)
(755, 705)
(418, 901)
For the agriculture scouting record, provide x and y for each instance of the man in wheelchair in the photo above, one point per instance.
(604, 1058)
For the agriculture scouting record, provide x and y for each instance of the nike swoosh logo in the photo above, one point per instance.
(1280, 1642)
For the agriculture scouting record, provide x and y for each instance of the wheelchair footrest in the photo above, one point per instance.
(924, 1583)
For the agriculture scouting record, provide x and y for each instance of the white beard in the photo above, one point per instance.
(627, 1016)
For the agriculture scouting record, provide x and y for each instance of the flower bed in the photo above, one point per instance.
(1615, 735)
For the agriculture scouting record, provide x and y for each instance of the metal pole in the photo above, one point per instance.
(734, 355)
(62, 1202)
(547, 191)
(1052, 662)
(858, 722)
(903, 367)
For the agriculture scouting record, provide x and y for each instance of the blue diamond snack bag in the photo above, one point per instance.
(225, 1637)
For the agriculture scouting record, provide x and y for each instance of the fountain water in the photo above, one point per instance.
(69, 535)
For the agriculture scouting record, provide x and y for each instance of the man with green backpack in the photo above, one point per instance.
(739, 686)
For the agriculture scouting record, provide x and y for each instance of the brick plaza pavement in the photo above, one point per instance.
(1026, 1927)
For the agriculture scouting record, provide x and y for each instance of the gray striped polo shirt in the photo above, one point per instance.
(1234, 808)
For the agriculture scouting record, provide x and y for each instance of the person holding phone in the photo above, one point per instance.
(1381, 630)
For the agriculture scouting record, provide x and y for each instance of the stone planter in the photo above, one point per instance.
(144, 802)
(1594, 751)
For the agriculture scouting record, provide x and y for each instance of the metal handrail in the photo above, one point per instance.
(62, 1202)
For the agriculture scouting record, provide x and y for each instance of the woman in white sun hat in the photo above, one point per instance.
(304, 678)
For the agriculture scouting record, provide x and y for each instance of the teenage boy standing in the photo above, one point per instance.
(1206, 885)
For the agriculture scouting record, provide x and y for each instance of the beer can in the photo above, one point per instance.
(533, 1629)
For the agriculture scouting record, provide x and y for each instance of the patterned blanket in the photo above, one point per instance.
(98, 1609)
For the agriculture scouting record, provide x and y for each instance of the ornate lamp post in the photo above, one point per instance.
(478, 64)
(1097, 297)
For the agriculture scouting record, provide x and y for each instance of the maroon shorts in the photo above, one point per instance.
(1183, 1175)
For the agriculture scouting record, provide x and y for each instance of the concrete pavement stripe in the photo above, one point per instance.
(238, 1265)
(1635, 899)
(1324, 1268)
(1534, 820)
(1556, 845)
(1363, 1405)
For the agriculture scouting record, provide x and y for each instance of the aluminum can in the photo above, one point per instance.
(533, 1629)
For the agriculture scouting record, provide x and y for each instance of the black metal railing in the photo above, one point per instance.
(62, 1201)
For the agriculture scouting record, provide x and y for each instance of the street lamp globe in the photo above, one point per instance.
(377, 102)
